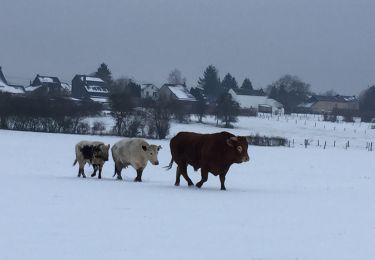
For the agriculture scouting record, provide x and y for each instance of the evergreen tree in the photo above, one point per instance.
(246, 84)
(210, 83)
(227, 109)
(229, 82)
(104, 73)
(200, 107)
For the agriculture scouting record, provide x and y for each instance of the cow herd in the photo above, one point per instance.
(213, 153)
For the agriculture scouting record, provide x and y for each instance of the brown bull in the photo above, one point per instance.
(213, 153)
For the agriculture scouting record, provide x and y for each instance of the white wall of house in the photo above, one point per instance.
(247, 101)
(150, 91)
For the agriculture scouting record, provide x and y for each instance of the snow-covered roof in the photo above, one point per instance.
(5, 87)
(246, 101)
(32, 88)
(66, 86)
(100, 99)
(45, 79)
(181, 92)
(91, 78)
(306, 105)
(337, 98)
(96, 89)
(10, 89)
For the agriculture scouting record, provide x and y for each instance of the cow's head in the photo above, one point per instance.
(239, 145)
(102, 152)
(151, 152)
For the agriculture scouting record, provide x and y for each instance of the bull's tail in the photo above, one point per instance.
(75, 162)
(168, 167)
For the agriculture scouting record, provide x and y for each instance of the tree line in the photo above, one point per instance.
(151, 118)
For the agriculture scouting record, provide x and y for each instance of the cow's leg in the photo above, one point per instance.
(81, 170)
(183, 172)
(100, 171)
(222, 181)
(139, 175)
(95, 166)
(178, 175)
(204, 173)
(118, 169)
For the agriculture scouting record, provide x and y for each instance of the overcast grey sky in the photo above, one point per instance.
(327, 43)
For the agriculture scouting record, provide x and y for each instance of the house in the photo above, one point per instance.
(178, 93)
(47, 85)
(5, 87)
(149, 91)
(260, 103)
(90, 88)
(326, 104)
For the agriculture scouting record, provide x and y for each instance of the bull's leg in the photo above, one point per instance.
(100, 171)
(204, 173)
(139, 175)
(222, 181)
(95, 166)
(178, 175)
(183, 172)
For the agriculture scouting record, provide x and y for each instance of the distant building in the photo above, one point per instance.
(149, 91)
(90, 87)
(5, 87)
(326, 104)
(176, 92)
(260, 103)
(47, 85)
(249, 92)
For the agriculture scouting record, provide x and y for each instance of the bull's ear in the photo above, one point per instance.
(159, 147)
(230, 142)
(248, 139)
(144, 147)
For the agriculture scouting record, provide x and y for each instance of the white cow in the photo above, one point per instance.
(95, 153)
(135, 152)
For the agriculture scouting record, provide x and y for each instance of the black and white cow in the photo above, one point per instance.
(94, 153)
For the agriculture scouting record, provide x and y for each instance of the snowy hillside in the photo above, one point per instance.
(286, 203)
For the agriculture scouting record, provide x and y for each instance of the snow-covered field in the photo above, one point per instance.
(286, 203)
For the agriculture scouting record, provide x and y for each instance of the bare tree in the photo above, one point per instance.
(175, 77)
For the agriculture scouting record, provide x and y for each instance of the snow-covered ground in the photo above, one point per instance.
(286, 203)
